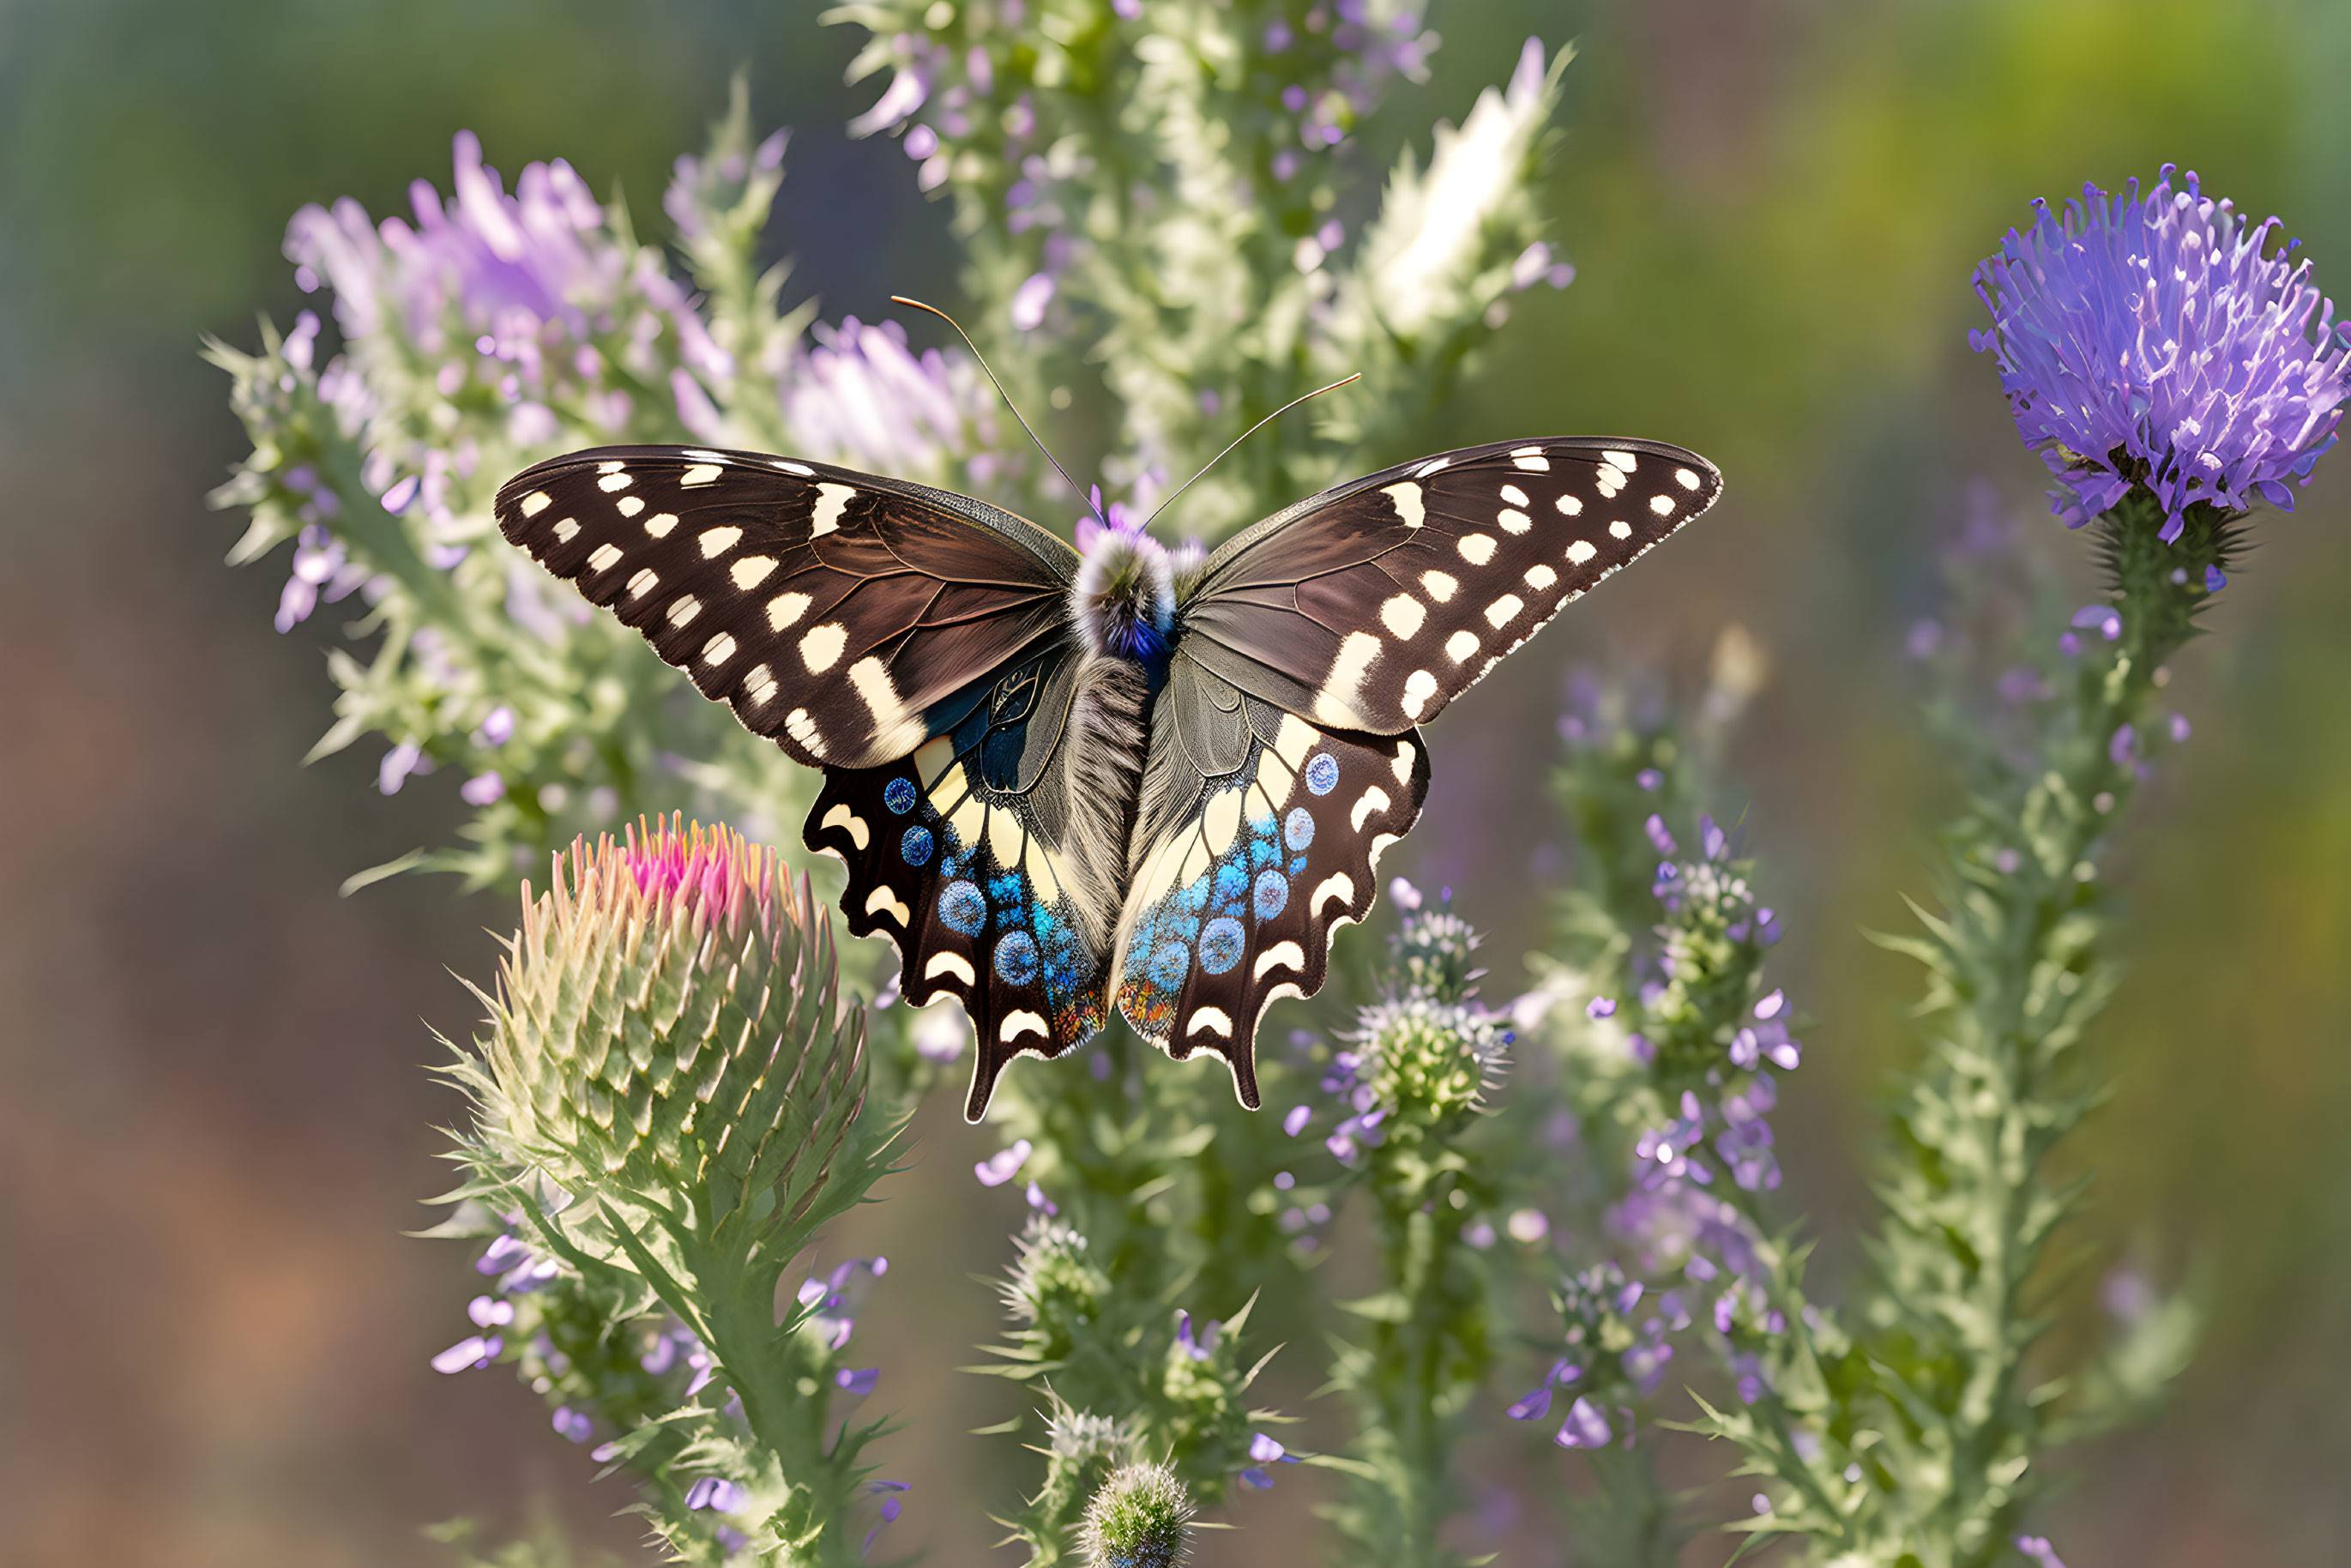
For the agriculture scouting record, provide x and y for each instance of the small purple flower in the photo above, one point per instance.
(1650, 779)
(1601, 1007)
(2037, 1547)
(1039, 1201)
(469, 1353)
(1265, 1451)
(1534, 1408)
(1295, 1122)
(859, 1383)
(2214, 579)
(714, 1492)
(574, 1425)
(1585, 1426)
(1655, 827)
(2122, 745)
(2101, 617)
(2153, 336)
(1203, 1347)
(1002, 1166)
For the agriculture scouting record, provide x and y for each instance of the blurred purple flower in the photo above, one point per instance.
(1585, 1426)
(2037, 1547)
(714, 1492)
(575, 1425)
(1002, 1166)
(2151, 338)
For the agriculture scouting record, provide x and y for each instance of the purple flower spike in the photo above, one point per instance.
(1002, 1166)
(1534, 1408)
(2153, 333)
(1585, 1426)
(2214, 581)
(859, 1383)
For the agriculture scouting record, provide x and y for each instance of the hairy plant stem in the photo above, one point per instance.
(2017, 967)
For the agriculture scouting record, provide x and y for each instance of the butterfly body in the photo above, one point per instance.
(1130, 779)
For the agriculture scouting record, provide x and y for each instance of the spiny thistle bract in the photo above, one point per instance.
(667, 1020)
(1140, 1518)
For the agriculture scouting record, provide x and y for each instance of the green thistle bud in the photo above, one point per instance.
(1140, 1518)
(667, 1020)
(1429, 1062)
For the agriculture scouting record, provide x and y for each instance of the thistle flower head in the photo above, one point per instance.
(2151, 340)
(667, 1015)
(1141, 1518)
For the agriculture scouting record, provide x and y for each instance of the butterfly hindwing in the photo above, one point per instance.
(958, 855)
(834, 610)
(1241, 878)
(1372, 606)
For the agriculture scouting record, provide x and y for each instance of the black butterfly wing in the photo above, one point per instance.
(1372, 605)
(1258, 835)
(914, 644)
(838, 613)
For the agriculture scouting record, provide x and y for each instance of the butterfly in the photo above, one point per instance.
(1130, 779)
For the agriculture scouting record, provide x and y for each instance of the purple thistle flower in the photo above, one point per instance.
(2151, 338)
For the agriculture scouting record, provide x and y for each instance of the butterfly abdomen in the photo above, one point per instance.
(1100, 776)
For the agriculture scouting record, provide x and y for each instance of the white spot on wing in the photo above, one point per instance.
(604, 557)
(821, 648)
(1580, 551)
(1286, 955)
(644, 582)
(1338, 885)
(630, 504)
(1662, 505)
(1400, 763)
(701, 474)
(1621, 530)
(953, 964)
(1569, 505)
(1623, 460)
(801, 728)
(535, 502)
(1460, 645)
(1433, 465)
(1220, 820)
(831, 500)
(1210, 1019)
(841, 816)
(660, 523)
(785, 608)
(685, 610)
(884, 902)
(1338, 701)
(716, 542)
(1541, 577)
(612, 481)
(566, 531)
(1292, 739)
(759, 686)
(1403, 615)
(1499, 613)
(1514, 496)
(718, 650)
(1020, 1021)
(895, 730)
(1419, 687)
(1407, 497)
(1439, 586)
(1685, 478)
(1475, 548)
(1530, 459)
(1513, 521)
(1372, 799)
(752, 570)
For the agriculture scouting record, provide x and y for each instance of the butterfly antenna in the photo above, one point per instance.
(1244, 435)
(1064, 472)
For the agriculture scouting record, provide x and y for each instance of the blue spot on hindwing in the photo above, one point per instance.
(899, 795)
(1232, 880)
(1222, 945)
(1271, 895)
(962, 907)
(1298, 828)
(914, 848)
(1016, 958)
(1322, 773)
(1168, 965)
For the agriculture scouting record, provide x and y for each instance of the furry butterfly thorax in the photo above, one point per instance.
(1134, 778)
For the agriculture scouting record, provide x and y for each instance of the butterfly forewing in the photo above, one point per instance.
(1373, 605)
(834, 610)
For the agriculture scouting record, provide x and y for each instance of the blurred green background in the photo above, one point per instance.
(213, 1120)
